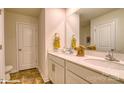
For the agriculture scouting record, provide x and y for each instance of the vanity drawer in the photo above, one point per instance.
(57, 60)
(89, 75)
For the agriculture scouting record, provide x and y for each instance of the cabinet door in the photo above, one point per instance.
(59, 74)
(56, 72)
(51, 70)
(74, 79)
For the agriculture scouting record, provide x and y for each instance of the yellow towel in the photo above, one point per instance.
(91, 47)
(73, 42)
(57, 41)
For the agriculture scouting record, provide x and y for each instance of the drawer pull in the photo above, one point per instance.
(53, 67)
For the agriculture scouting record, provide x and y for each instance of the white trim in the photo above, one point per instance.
(17, 66)
(45, 78)
(14, 71)
(26, 66)
(2, 61)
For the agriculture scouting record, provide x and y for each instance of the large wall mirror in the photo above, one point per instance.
(99, 29)
(72, 28)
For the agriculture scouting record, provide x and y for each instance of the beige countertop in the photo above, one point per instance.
(114, 73)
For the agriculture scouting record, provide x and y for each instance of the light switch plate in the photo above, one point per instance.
(0, 46)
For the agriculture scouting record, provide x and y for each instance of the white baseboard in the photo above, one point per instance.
(45, 78)
(14, 71)
(23, 67)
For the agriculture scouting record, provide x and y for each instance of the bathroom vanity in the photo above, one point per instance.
(70, 69)
(103, 33)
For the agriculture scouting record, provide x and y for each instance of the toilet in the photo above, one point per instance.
(8, 70)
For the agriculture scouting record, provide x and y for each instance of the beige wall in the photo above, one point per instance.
(10, 35)
(41, 43)
(72, 26)
(84, 32)
(119, 16)
(52, 21)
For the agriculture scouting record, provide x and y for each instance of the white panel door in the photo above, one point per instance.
(104, 35)
(26, 46)
(2, 56)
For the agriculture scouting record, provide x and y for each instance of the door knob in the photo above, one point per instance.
(0, 47)
(20, 49)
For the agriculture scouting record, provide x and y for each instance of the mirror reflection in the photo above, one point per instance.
(99, 29)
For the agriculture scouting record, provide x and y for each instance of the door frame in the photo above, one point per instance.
(2, 64)
(17, 42)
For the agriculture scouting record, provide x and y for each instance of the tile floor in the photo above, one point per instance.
(29, 76)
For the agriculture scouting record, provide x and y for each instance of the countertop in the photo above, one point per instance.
(117, 74)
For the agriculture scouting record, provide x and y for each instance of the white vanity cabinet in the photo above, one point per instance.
(84, 75)
(56, 70)
(64, 71)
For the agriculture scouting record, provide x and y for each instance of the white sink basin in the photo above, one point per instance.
(105, 63)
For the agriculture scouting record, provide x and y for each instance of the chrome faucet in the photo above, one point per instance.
(68, 51)
(110, 56)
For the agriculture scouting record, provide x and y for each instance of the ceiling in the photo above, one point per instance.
(86, 14)
(35, 12)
